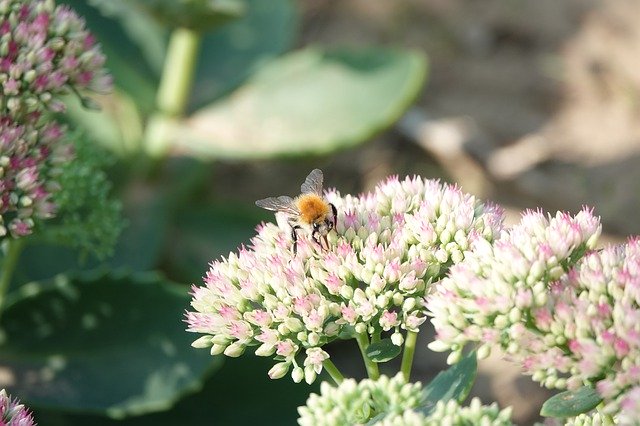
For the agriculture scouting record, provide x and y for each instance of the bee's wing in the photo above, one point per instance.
(278, 204)
(313, 183)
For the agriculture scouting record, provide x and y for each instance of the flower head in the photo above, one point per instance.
(570, 316)
(45, 51)
(392, 402)
(499, 289)
(356, 402)
(452, 413)
(30, 159)
(388, 246)
(12, 413)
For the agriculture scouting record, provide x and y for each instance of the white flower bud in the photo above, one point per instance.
(234, 350)
(397, 338)
(279, 370)
(297, 374)
(202, 342)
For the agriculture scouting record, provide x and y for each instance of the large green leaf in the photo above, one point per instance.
(240, 393)
(454, 383)
(231, 53)
(571, 403)
(140, 245)
(204, 233)
(309, 102)
(106, 344)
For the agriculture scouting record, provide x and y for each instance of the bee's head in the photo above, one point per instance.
(322, 227)
(326, 224)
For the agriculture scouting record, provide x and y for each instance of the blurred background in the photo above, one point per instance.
(526, 103)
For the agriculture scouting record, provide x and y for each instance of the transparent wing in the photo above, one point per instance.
(313, 183)
(278, 204)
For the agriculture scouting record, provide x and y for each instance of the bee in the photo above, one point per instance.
(308, 210)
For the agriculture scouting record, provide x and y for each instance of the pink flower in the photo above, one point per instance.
(12, 413)
(46, 54)
(28, 170)
(373, 276)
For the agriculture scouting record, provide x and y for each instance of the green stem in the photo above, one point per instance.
(174, 90)
(333, 371)
(13, 249)
(407, 355)
(372, 367)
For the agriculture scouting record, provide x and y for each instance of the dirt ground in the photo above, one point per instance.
(528, 103)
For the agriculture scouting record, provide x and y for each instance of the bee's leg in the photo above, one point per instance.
(326, 242)
(314, 236)
(294, 237)
(335, 214)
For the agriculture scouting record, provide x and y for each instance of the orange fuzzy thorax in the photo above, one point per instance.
(311, 207)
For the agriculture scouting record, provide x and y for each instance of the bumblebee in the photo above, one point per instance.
(309, 210)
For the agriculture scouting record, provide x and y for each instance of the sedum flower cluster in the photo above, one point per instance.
(30, 160)
(450, 413)
(569, 315)
(45, 52)
(389, 245)
(391, 402)
(498, 290)
(592, 419)
(356, 402)
(12, 413)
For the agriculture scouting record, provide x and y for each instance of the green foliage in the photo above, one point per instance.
(571, 403)
(240, 383)
(203, 233)
(200, 15)
(105, 344)
(309, 102)
(232, 53)
(453, 383)
(88, 217)
(383, 351)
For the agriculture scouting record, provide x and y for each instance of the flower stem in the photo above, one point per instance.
(333, 371)
(174, 90)
(13, 248)
(372, 367)
(407, 355)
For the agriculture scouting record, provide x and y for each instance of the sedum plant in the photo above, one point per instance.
(389, 246)
(538, 292)
(12, 413)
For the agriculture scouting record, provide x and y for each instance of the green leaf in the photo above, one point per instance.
(313, 101)
(453, 383)
(233, 52)
(114, 345)
(204, 233)
(571, 403)
(383, 351)
(141, 242)
(138, 248)
(199, 15)
(140, 28)
(239, 394)
(347, 332)
(118, 126)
